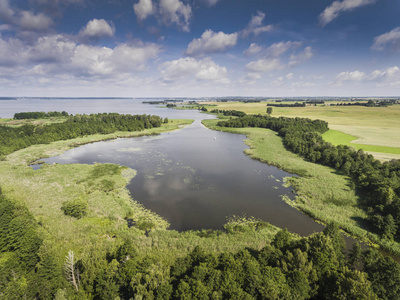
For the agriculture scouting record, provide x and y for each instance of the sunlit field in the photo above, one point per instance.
(368, 126)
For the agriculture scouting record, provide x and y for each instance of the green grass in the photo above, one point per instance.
(339, 138)
(321, 192)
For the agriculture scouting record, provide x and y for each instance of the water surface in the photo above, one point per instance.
(196, 177)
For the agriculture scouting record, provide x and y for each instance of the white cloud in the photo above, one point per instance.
(143, 9)
(386, 77)
(211, 42)
(58, 54)
(332, 12)
(278, 49)
(31, 22)
(264, 65)
(97, 28)
(90, 60)
(128, 58)
(175, 12)
(256, 26)
(211, 2)
(302, 57)
(271, 57)
(253, 49)
(10, 52)
(344, 77)
(350, 76)
(25, 20)
(51, 49)
(389, 40)
(200, 70)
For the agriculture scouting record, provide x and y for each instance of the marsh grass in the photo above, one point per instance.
(103, 188)
(321, 192)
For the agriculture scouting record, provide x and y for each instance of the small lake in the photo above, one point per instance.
(194, 177)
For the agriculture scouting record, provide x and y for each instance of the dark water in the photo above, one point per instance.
(193, 177)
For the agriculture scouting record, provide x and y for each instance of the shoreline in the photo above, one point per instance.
(306, 199)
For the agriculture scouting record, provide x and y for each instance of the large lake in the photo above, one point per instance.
(194, 177)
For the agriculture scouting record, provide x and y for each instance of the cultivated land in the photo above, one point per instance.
(368, 126)
(110, 204)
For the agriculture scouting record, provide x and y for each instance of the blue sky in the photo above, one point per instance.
(199, 48)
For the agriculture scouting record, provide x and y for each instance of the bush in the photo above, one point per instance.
(77, 208)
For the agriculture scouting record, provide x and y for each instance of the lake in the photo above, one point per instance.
(193, 177)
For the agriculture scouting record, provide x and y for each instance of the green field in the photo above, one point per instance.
(339, 138)
(369, 127)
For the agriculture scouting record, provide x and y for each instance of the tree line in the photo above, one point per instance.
(297, 104)
(15, 138)
(370, 103)
(39, 115)
(378, 183)
(234, 113)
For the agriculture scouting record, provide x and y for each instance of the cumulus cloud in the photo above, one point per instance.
(211, 42)
(169, 12)
(256, 26)
(302, 57)
(271, 57)
(253, 49)
(278, 49)
(97, 28)
(175, 12)
(10, 52)
(143, 9)
(264, 65)
(390, 76)
(350, 76)
(337, 7)
(124, 58)
(58, 54)
(51, 49)
(389, 40)
(201, 70)
(385, 77)
(25, 20)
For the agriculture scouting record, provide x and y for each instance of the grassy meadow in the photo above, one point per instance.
(103, 187)
(37, 122)
(321, 192)
(369, 127)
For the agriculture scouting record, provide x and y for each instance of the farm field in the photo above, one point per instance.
(368, 126)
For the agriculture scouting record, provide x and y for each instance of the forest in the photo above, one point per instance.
(378, 183)
(314, 267)
(13, 139)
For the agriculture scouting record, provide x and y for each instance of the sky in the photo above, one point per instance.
(199, 48)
